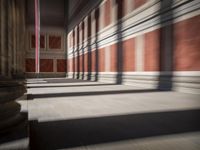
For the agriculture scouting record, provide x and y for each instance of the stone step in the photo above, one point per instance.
(11, 123)
(8, 110)
(10, 91)
(10, 116)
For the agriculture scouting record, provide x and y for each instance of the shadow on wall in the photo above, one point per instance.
(165, 41)
(73, 54)
(82, 47)
(89, 55)
(119, 49)
(90, 131)
(78, 55)
(166, 45)
(96, 44)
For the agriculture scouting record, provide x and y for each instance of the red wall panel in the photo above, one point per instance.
(81, 63)
(54, 42)
(187, 45)
(46, 65)
(69, 65)
(86, 62)
(113, 58)
(151, 51)
(93, 55)
(139, 3)
(129, 55)
(61, 65)
(107, 7)
(30, 65)
(42, 41)
(101, 60)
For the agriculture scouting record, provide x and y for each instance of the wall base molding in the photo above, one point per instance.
(45, 75)
(186, 82)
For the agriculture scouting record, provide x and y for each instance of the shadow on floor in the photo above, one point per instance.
(90, 93)
(79, 85)
(89, 131)
(63, 80)
(17, 131)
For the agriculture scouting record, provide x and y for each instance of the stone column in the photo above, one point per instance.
(19, 38)
(4, 37)
(0, 35)
(10, 116)
(14, 38)
(10, 37)
(10, 89)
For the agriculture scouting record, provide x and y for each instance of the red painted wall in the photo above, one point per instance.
(54, 42)
(61, 65)
(30, 65)
(113, 58)
(151, 51)
(86, 62)
(101, 60)
(93, 55)
(129, 55)
(107, 10)
(139, 3)
(46, 65)
(187, 45)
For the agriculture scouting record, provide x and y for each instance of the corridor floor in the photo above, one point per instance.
(76, 114)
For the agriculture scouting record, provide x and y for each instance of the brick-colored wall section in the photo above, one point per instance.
(125, 7)
(54, 42)
(61, 65)
(107, 9)
(81, 63)
(101, 60)
(30, 65)
(42, 41)
(139, 3)
(113, 58)
(89, 26)
(151, 51)
(75, 64)
(86, 62)
(70, 65)
(46, 65)
(187, 45)
(93, 55)
(129, 55)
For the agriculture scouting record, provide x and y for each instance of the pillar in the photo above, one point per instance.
(10, 88)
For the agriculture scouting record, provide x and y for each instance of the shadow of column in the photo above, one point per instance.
(166, 45)
(119, 53)
(96, 44)
(78, 54)
(73, 53)
(83, 55)
(89, 49)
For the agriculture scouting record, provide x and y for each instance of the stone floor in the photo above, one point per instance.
(75, 114)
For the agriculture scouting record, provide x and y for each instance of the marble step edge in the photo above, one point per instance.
(11, 94)
(11, 124)
(8, 110)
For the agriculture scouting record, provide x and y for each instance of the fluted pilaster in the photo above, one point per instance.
(11, 57)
